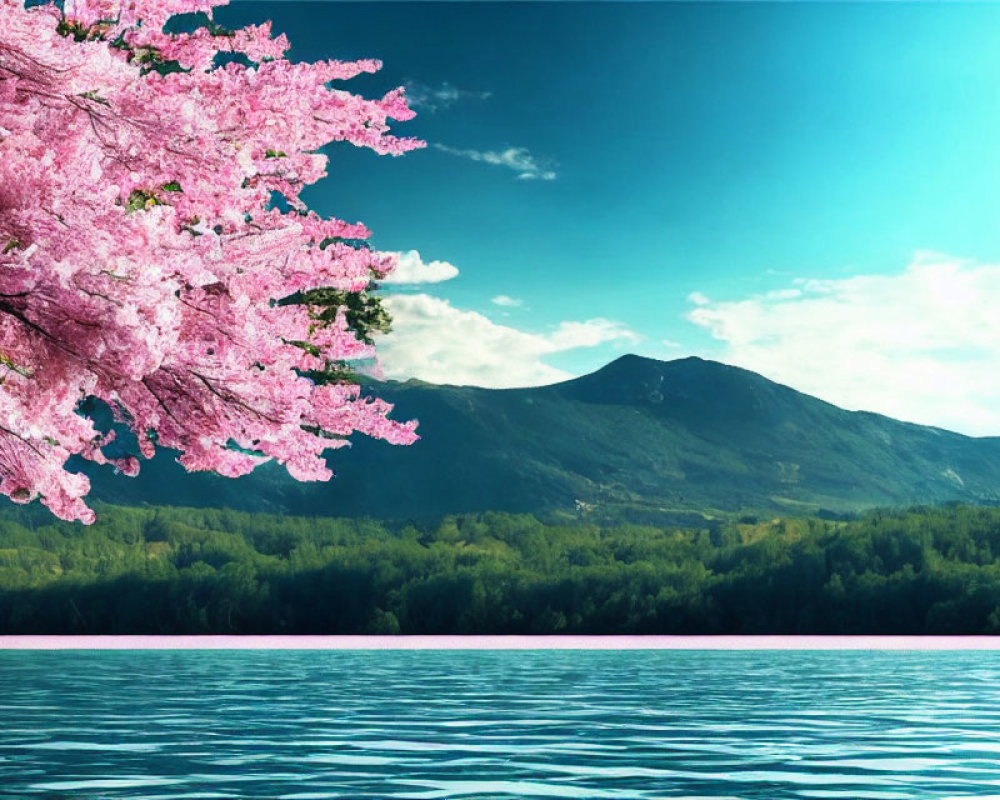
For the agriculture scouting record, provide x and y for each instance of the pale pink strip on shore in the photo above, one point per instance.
(499, 642)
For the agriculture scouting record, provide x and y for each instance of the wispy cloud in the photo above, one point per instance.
(442, 96)
(518, 159)
(507, 302)
(921, 345)
(411, 268)
(434, 341)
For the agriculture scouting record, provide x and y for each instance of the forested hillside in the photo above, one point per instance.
(173, 570)
(657, 438)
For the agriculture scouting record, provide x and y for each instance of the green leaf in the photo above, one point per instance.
(140, 200)
(92, 95)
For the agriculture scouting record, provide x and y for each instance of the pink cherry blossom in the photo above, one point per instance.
(141, 259)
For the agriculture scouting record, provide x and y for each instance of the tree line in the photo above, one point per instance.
(178, 570)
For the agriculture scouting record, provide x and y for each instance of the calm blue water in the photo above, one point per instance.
(173, 724)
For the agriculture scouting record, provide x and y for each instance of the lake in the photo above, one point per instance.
(499, 724)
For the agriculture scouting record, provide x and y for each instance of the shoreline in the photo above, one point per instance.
(477, 642)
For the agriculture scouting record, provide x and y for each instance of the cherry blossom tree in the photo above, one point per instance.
(147, 260)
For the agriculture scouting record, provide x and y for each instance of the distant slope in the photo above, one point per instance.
(638, 434)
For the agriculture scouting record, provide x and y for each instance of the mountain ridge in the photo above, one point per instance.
(638, 434)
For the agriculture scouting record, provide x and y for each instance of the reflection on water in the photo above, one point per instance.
(565, 724)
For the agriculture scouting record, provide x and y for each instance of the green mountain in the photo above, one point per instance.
(637, 439)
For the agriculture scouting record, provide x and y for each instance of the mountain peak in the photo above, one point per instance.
(635, 379)
(644, 366)
(632, 361)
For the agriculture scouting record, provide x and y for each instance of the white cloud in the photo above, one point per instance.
(784, 294)
(508, 302)
(698, 299)
(922, 345)
(516, 158)
(670, 344)
(435, 98)
(434, 341)
(413, 269)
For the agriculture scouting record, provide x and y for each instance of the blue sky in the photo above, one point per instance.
(809, 190)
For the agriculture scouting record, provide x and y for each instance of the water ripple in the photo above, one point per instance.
(638, 725)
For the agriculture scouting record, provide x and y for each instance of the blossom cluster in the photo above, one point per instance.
(142, 255)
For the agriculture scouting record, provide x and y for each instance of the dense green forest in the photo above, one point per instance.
(176, 570)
